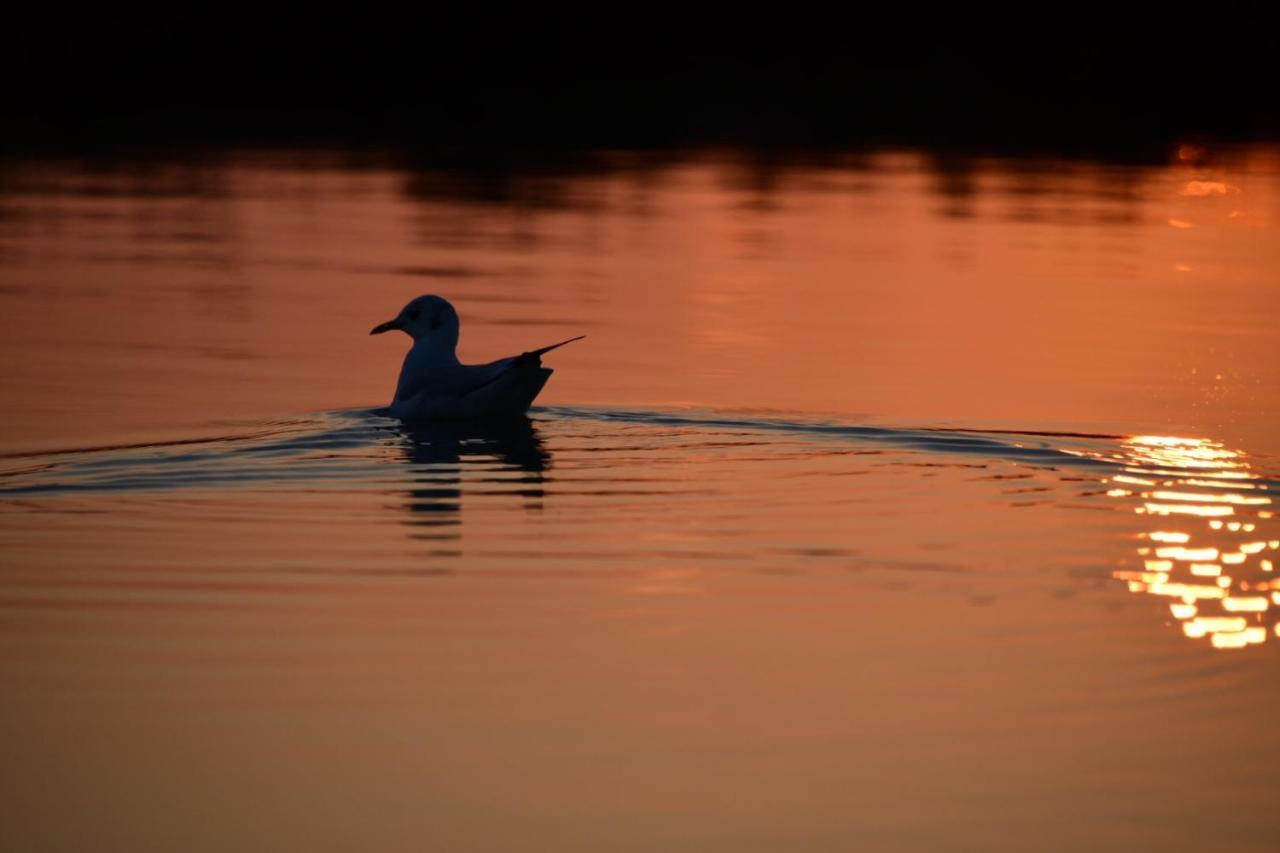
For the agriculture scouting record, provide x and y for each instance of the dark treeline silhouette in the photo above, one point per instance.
(1067, 80)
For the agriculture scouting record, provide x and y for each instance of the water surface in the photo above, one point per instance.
(895, 501)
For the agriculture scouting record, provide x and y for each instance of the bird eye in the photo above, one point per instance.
(412, 314)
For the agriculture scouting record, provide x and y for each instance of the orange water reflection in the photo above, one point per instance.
(659, 631)
(1207, 550)
(155, 298)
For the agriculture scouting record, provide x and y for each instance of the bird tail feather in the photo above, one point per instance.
(540, 352)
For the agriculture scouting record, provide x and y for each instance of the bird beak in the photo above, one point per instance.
(385, 327)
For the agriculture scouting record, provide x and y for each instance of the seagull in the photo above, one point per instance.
(434, 385)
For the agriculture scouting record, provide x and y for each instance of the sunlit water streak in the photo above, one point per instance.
(1208, 549)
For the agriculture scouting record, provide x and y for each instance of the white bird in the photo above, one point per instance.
(434, 385)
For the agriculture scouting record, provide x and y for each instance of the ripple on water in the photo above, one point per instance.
(602, 494)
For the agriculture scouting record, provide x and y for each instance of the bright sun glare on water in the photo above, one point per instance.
(1214, 564)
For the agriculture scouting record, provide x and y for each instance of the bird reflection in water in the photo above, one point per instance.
(448, 459)
(1206, 548)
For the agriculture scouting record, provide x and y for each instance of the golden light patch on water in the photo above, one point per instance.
(1239, 639)
(1201, 626)
(1166, 472)
(1187, 509)
(1207, 188)
(1142, 577)
(1214, 484)
(1169, 536)
(1245, 604)
(1226, 499)
(1185, 591)
(1187, 554)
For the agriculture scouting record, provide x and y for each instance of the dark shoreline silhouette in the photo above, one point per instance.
(1086, 85)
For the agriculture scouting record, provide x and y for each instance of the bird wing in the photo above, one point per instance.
(455, 381)
(458, 380)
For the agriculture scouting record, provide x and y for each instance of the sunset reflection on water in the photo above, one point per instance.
(790, 549)
(1208, 552)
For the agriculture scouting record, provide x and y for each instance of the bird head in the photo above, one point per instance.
(427, 318)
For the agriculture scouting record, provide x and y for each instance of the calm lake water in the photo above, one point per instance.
(895, 501)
